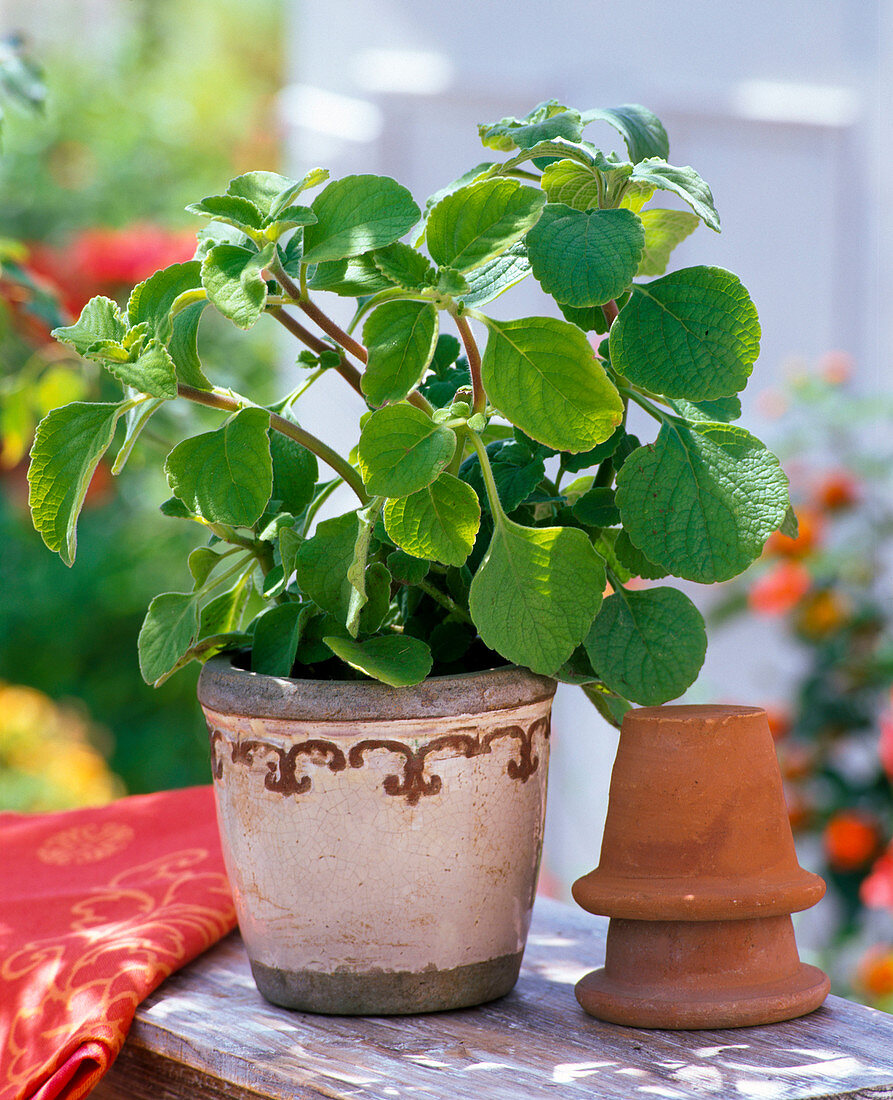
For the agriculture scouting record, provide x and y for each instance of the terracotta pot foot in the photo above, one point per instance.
(702, 974)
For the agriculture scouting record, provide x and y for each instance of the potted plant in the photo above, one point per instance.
(377, 684)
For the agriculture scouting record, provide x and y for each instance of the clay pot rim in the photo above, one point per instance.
(224, 688)
(693, 712)
(703, 898)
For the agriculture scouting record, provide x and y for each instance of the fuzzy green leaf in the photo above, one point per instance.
(585, 258)
(477, 222)
(170, 627)
(401, 264)
(100, 319)
(398, 660)
(151, 301)
(322, 563)
(67, 448)
(276, 636)
(225, 476)
(722, 409)
(664, 229)
(684, 182)
(183, 347)
(543, 375)
(571, 183)
(402, 450)
(400, 337)
(229, 209)
(270, 192)
(233, 278)
(634, 561)
(496, 276)
(295, 471)
(547, 121)
(439, 522)
(516, 470)
(151, 372)
(536, 593)
(353, 278)
(642, 130)
(693, 334)
(648, 646)
(356, 214)
(702, 499)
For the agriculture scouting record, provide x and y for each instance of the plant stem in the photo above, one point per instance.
(489, 481)
(316, 314)
(645, 404)
(347, 370)
(479, 403)
(444, 600)
(610, 311)
(217, 400)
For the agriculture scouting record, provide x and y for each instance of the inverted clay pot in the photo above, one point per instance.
(382, 844)
(699, 875)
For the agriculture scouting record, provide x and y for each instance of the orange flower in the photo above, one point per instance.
(780, 589)
(779, 722)
(836, 367)
(822, 613)
(811, 527)
(875, 972)
(837, 490)
(851, 839)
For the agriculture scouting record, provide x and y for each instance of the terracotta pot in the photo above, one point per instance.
(699, 874)
(382, 844)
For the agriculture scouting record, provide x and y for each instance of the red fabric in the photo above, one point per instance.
(97, 907)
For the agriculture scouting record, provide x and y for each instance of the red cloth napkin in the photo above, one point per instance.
(97, 907)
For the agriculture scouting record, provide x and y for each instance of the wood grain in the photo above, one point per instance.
(207, 1034)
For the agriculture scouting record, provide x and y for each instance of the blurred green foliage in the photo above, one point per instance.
(131, 131)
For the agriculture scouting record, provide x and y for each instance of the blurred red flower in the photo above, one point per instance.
(876, 971)
(836, 491)
(811, 527)
(780, 589)
(876, 890)
(851, 839)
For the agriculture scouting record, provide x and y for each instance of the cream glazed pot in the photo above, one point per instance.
(382, 844)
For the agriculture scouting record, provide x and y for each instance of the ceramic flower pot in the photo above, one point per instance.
(699, 875)
(382, 844)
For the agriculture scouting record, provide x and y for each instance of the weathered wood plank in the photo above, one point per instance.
(222, 1041)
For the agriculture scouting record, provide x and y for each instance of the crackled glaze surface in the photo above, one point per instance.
(397, 846)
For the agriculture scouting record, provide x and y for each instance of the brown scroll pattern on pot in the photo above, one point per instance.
(282, 772)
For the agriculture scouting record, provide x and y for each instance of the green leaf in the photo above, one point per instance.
(543, 375)
(67, 448)
(439, 522)
(585, 259)
(642, 130)
(356, 571)
(356, 214)
(405, 568)
(610, 706)
(377, 583)
(597, 455)
(289, 541)
(693, 334)
(151, 301)
(270, 192)
(100, 319)
(605, 543)
(401, 337)
(170, 627)
(723, 409)
(634, 561)
(223, 614)
(295, 471)
(402, 450)
(202, 563)
(684, 182)
(292, 217)
(322, 562)
(229, 209)
(702, 499)
(516, 470)
(545, 122)
(648, 646)
(225, 476)
(790, 526)
(354, 278)
(597, 508)
(535, 594)
(135, 420)
(153, 372)
(496, 276)
(401, 264)
(664, 229)
(573, 184)
(276, 636)
(394, 659)
(479, 221)
(233, 278)
(183, 347)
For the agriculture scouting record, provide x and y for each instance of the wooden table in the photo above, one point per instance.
(206, 1034)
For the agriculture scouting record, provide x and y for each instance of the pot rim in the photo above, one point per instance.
(224, 688)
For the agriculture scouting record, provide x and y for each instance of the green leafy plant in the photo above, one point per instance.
(468, 546)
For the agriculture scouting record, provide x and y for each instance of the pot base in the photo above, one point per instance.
(796, 995)
(387, 992)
